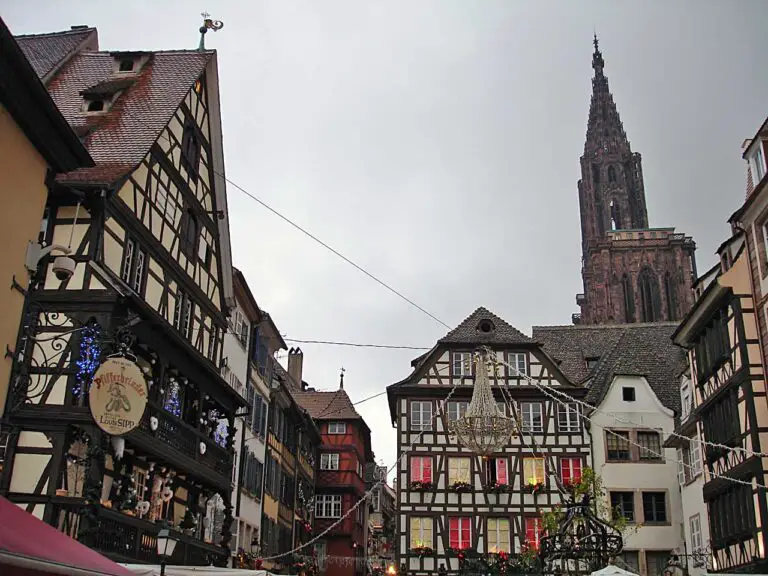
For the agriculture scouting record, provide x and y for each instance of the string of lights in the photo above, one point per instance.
(355, 344)
(548, 392)
(368, 493)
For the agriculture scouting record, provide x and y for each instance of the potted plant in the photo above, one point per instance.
(534, 487)
(498, 487)
(460, 486)
(421, 485)
(422, 550)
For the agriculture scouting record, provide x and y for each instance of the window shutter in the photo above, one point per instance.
(465, 532)
(453, 531)
(427, 469)
(680, 467)
(501, 470)
(576, 470)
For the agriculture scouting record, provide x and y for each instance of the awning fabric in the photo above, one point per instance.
(32, 547)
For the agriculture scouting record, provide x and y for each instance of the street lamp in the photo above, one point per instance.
(166, 544)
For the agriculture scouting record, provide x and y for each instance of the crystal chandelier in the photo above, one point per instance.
(483, 429)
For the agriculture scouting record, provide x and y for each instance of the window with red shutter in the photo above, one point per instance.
(501, 471)
(570, 470)
(459, 532)
(533, 529)
(421, 469)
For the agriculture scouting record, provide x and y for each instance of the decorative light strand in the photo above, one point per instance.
(89, 360)
(369, 492)
(548, 393)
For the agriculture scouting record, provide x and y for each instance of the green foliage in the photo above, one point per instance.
(590, 483)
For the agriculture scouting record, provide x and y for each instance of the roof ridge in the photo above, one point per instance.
(61, 33)
(480, 314)
(627, 326)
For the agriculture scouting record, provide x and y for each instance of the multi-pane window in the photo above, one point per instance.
(568, 417)
(533, 470)
(240, 327)
(190, 149)
(713, 347)
(337, 427)
(134, 266)
(421, 415)
(650, 445)
(532, 416)
(617, 444)
(623, 505)
(329, 461)
(502, 407)
(421, 469)
(458, 470)
(460, 532)
(685, 399)
(497, 471)
(654, 507)
(533, 531)
(721, 422)
(518, 362)
(462, 364)
(689, 462)
(697, 543)
(456, 410)
(570, 470)
(656, 562)
(328, 506)
(732, 515)
(421, 532)
(498, 535)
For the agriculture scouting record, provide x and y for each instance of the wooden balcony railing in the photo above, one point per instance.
(185, 439)
(130, 539)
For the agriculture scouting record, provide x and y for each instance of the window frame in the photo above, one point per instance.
(463, 532)
(337, 428)
(330, 461)
(534, 467)
(632, 517)
(664, 509)
(527, 412)
(420, 426)
(458, 404)
(459, 469)
(570, 461)
(328, 502)
(412, 468)
(497, 532)
(534, 526)
(416, 542)
(569, 410)
(463, 360)
(513, 359)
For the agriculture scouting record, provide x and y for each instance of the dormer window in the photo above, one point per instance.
(95, 105)
(756, 159)
(592, 362)
(126, 65)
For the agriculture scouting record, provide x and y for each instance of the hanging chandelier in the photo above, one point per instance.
(483, 429)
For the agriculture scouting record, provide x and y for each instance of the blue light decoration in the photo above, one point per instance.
(172, 402)
(89, 360)
(221, 433)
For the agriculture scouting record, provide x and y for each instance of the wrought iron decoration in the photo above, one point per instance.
(583, 543)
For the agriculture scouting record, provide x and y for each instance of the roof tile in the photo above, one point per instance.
(334, 405)
(46, 51)
(470, 331)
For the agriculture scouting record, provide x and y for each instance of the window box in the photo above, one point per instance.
(460, 487)
(499, 487)
(421, 485)
(422, 551)
(534, 487)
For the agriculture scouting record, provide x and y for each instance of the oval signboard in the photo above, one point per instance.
(118, 396)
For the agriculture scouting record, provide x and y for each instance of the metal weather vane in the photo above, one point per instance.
(208, 24)
(483, 429)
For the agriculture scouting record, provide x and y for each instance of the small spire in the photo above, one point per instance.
(597, 57)
(341, 378)
(208, 24)
(595, 42)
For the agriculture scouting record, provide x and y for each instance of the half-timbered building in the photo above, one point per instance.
(149, 278)
(344, 454)
(448, 498)
(729, 405)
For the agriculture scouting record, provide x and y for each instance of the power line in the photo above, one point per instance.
(356, 344)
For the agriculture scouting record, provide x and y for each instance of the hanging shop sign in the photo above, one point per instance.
(118, 396)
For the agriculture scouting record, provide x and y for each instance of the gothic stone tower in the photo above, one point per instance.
(631, 272)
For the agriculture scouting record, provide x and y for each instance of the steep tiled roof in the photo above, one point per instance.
(121, 137)
(46, 51)
(622, 349)
(334, 405)
(470, 331)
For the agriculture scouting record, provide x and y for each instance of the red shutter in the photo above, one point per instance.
(465, 532)
(453, 532)
(576, 469)
(426, 475)
(565, 470)
(501, 471)
(532, 531)
(415, 469)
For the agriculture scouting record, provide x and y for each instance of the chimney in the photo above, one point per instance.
(295, 364)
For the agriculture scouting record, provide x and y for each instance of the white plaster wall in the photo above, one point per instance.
(693, 503)
(649, 413)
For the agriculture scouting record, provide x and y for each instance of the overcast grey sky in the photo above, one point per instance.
(437, 144)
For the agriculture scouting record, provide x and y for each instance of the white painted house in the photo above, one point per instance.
(632, 372)
(249, 347)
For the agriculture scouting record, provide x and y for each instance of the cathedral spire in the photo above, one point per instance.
(597, 58)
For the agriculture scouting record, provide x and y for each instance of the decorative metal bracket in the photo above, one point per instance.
(18, 287)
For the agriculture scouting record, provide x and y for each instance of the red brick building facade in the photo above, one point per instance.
(340, 480)
(631, 272)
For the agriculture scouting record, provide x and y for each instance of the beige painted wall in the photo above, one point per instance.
(23, 199)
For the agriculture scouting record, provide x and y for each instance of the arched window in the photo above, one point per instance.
(671, 295)
(650, 300)
(629, 299)
(611, 174)
(595, 174)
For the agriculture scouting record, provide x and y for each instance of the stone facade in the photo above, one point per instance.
(631, 273)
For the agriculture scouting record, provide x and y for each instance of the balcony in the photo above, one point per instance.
(180, 444)
(129, 539)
